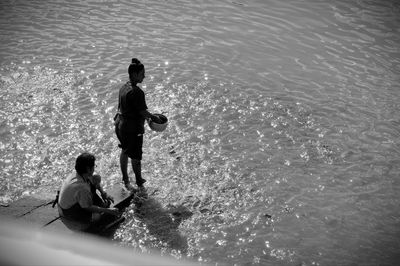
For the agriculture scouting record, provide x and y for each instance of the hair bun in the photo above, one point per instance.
(136, 61)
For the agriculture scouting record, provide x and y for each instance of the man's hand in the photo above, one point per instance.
(107, 198)
(114, 211)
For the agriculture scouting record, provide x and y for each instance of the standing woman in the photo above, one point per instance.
(129, 123)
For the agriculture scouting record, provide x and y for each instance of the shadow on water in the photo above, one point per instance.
(162, 223)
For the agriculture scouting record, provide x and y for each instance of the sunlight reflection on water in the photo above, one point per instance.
(283, 137)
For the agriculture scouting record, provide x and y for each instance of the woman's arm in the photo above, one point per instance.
(147, 115)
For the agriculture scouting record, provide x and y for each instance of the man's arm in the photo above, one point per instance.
(85, 201)
(96, 181)
(94, 208)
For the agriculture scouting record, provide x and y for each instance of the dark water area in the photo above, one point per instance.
(283, 142)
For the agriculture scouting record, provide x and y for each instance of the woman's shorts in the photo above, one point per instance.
(131, 143)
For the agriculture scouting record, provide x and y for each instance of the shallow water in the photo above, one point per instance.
(283, 142)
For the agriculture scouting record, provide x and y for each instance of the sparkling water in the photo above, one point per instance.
(283, 140)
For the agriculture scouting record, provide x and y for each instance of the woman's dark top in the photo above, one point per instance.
(131, 103)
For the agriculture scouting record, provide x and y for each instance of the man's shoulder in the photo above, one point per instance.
(74, 181)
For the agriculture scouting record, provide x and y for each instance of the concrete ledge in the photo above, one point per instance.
(24, 245)
(33, 226)
(23, 206)
(39, 213)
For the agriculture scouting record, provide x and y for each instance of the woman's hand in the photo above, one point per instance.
(156, 119)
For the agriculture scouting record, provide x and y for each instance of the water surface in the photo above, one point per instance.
(283, 142)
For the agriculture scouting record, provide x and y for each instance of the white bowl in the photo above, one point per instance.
(159, 127)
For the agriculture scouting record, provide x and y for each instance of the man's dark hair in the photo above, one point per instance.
(83, 161)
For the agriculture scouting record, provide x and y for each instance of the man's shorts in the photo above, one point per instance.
(131, 143)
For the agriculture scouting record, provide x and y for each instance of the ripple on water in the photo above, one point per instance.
(282, 141)
(45, 126)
